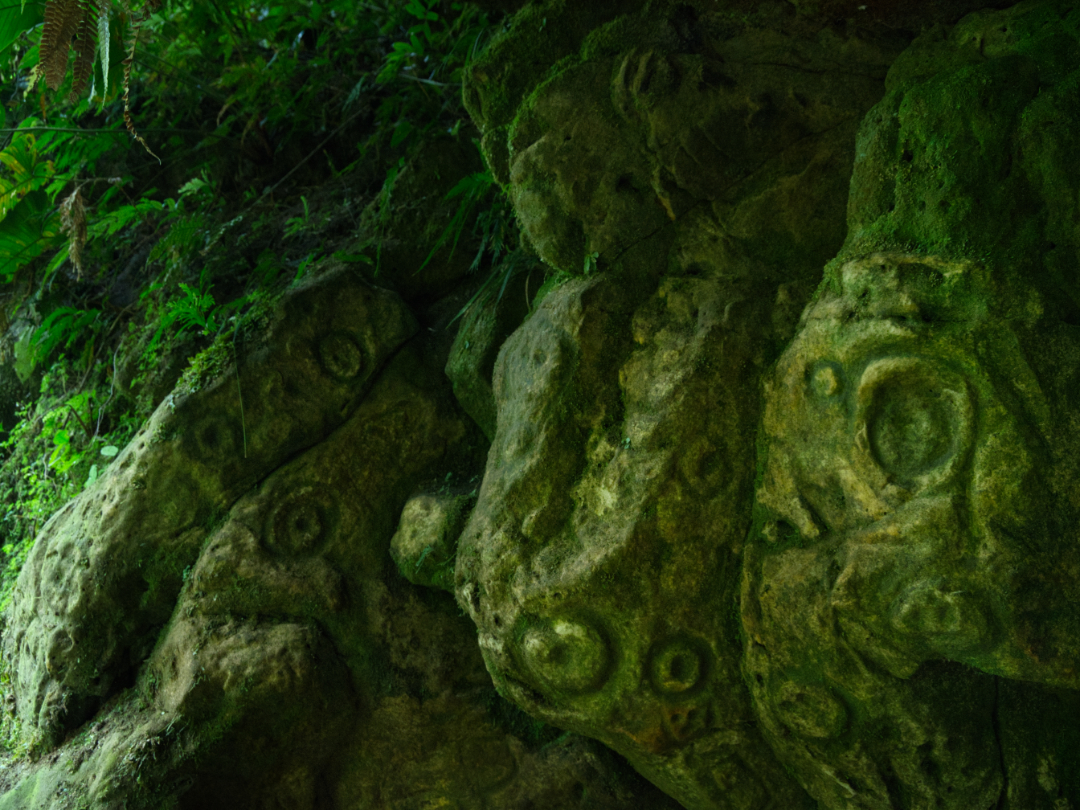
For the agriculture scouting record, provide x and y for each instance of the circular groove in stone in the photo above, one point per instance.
(298, 525)
(915, 416)
(567, 655)
(678, 666)
(340, 357)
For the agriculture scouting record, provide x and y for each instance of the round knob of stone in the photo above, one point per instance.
(567, 655)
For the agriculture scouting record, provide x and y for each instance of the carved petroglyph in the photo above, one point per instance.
(566, 655)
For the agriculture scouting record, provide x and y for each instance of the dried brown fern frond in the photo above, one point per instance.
(128, 122)
(85, 22)
(86, 42)
(73, 223)
(64, 21)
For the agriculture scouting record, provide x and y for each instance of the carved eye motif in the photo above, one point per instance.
(678, 666)
(567, 655)
(340, 356)
(299, 524)
(913, 419)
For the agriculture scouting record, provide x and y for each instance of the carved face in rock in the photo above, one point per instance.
(576, 179)
(747, 156)
(909, 518)
(600, 563)
(279, 659)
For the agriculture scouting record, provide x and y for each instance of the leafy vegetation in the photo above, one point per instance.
(268, 129)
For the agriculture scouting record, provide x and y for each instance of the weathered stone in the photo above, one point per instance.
(884, 616)
(104, 573)
(912, 510)
(484, 328)
(297, 669)
(670, 143)
(424, 545)
(601, 561)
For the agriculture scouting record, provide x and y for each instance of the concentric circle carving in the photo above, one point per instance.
(913, 419)
(678, 666)
(567, 655)
(299, 524)
(340, 357)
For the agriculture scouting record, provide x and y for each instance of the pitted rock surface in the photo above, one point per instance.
(676, 138)
(295, 668)
(913, 517)
(910, 584)
(602, 558)
(773, 562)
(104, 574)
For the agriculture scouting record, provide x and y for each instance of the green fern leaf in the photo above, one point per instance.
(103, 47)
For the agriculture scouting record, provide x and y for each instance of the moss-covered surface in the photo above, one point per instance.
(909, 598)
(247, 607)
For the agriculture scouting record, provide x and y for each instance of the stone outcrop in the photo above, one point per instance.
(773, 537)
(909, 544)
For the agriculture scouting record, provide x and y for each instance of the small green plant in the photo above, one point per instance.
(384, 208)
(297, 224)
(61, 329)
(590, 263)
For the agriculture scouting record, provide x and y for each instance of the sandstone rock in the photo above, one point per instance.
(675, 136)
(913, 517)
(914, 539)
(484, 328)
(294, 668)
(103, 575)
(424, 545)
(600, 563)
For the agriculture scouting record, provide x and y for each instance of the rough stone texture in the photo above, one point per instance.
(918, 500)
(841, 574)
(601, 561)
(104, 574)
(484, 328)
(282, 662)
(424, 545)
(677, 139)
(911, 546)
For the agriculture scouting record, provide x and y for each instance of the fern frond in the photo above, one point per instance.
(63, 19)
(86, 41)
(73, 223)
(103, 46)
(128, 122)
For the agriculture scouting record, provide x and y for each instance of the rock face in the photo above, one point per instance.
(917, 507)
(910, 541)
(778, 540)
(103, 577)
(601, 561)
(227, 594)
